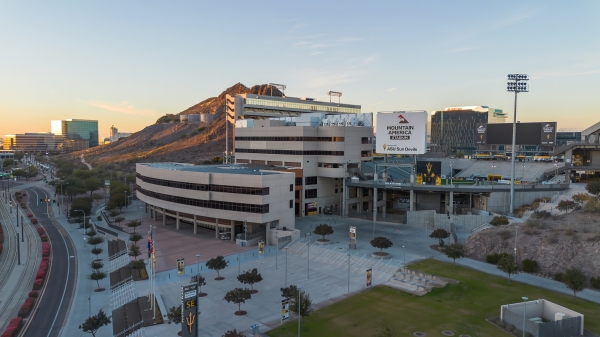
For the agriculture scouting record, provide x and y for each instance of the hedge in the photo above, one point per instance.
(44, 238)
(34, 221)
(12, 330)
(37, 284)
(41, 231)
(33, 294)
(26, 307)
(0, 249)
(29, 215)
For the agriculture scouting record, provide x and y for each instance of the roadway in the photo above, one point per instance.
(53, 307)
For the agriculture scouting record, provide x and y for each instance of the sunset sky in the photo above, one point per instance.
(129, 62)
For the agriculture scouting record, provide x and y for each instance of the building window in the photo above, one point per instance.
(310, 181)
(298, 181)
(291, 203)
(291, 139)
(260, 162)
(274, 163)
(308, 194)
(205, 187)
(291, 187)
(336, 191)
(297, 194)
(293, 164)
(242, 161)
(292, 152)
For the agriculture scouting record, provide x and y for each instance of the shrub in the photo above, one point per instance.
(41, 231)
(99, 218)
(45, 252)
(33, 294)
(529, 266)
(34, 221)
(13, 327)
(26, 307)
(139, 264)
(499, 220)
(37, 284)
(595, 282)
(558, 277)
(29, 215)
(44, 238)
(495, 257)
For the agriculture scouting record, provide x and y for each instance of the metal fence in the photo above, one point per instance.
(397, 218)
(562, 328)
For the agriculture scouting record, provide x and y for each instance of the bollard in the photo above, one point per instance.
(169, 275)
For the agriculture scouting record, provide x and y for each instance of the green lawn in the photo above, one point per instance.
(461, 308)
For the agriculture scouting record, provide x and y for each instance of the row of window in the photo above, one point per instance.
(224, 205)
(310, 180)
(329, 165)
(308, 194)
(205, 187)
(302, 106)
(292, 152)
(292, 139)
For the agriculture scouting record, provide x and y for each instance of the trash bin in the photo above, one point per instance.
(254, 329)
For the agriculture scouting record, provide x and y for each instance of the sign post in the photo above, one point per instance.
(369, 276)
(285, 309)
(352, 237)
(181, 266)
(189, 310)
(261, 247)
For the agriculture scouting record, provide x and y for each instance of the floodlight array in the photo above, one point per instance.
(518, 77)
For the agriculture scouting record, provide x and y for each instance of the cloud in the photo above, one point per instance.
(460, 50)
(390, 89)
(514, 19)
(316, 53)
(564, 74)
(123, 107)
(317, 78)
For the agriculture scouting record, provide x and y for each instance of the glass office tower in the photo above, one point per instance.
(81, 129)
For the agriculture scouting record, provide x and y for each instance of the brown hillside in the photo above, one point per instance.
(174, 141)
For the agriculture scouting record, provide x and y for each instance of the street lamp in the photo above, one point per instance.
(451, 173)
(286, 250)
(515, 85)
(197, 265)
(299, 306)
(493, 175)
(404, 248)
(276, 246)
(84, 229)
(348, 270)
(308, 258)
(524, 316)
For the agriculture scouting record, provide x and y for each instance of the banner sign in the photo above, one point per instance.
(107, 189)
(189, 310)
(181, 266)
(285, 309)
(352, 234)
(429, 172)
(548, 134)
(481, 133)
(311, 208)
(261, 247)
(369, 276)
(402, 133)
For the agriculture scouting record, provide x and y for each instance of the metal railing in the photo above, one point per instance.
(131, 331)
(249, 236)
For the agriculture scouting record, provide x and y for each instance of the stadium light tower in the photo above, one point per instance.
(335, 94)
(517, 84)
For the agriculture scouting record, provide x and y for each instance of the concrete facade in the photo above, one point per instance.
(204, 196)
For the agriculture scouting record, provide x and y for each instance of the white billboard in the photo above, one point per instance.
(402, 132)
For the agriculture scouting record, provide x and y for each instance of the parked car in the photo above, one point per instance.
(225, 236)
(327, 210)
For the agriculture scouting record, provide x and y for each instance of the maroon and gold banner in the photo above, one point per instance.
(369, 276)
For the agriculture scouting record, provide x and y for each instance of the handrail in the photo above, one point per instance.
(127, 330)
(122, 282)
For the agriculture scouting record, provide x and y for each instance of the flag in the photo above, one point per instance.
(150, 246)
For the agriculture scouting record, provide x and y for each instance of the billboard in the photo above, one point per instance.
(285, 309)
(429, 172)
(189, 310)
(548, 134)
(481, 133)
(311, 208)
(261, 247)
(402, 133)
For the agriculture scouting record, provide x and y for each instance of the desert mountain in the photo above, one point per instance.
(169, 140)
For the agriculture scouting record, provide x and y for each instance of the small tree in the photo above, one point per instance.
(201, 281)
(581, 198)
(575, 280)
(305, 306)
(234, 333)
(439, 234)
(134, 250)
(135, 237)
(97, 251)
(592, 188)
(238, 296)
(114, 213)
(134, 224)
(118, 220)
(323, 229)
(250, 277)
(455, 251)
(507, 264)
(94, 323)
(217, 263)
(565, 205)
(96, 274)
(499, 220)
(381, 243)
(174, 315)
(95, 240)
(97, 197)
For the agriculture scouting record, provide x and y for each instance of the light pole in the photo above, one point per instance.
(515, 85)
(451, 173)
(308, 258)
(276, 246)
(198, 264)
(348, 270)
(286, 249)
(404, 249)
(524, 312)
(299, 306)
(493, 175)
(84, 229)
(516, 235)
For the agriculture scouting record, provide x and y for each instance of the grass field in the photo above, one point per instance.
(461, 308)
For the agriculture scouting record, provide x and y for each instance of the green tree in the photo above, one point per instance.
(593, 188)
(459, 154)
(94, 323)
(507, 265)
(97, 274)
(134, 251)
(18, 156)
(306, 304)
(234, 333)
(95, 240)
(250, 277)
(381, 243)
(92, 184)
(134, 224)
(81, 204)
(323, 229)
(439, 234)
(565, 205)
(455, 251)
(174, 315)
(201, 281)
(217, 263)
(97, 197)
(238, 296)
(575, 280)
(19, 173)
(581, 198)
(135, 237)
(118, 220)
(8, 162)
(97, 251)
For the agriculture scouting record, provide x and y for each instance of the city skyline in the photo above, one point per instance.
(127, 64)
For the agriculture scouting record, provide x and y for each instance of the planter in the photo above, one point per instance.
(240, 313)
(220, 278)
(323, 242)
(381, 255)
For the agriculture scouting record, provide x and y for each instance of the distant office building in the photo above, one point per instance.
(8, 142)
(116, 135)
(453, 129)
(6, 154)
(567, 137)
(77, 129)
(37, 142)
(71, 145)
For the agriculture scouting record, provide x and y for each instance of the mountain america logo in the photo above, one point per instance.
(401, 119)
(481, 129)
(548, 128)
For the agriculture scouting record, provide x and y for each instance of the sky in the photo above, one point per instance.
(126, 63)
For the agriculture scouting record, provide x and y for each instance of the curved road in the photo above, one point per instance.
(53, 309)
